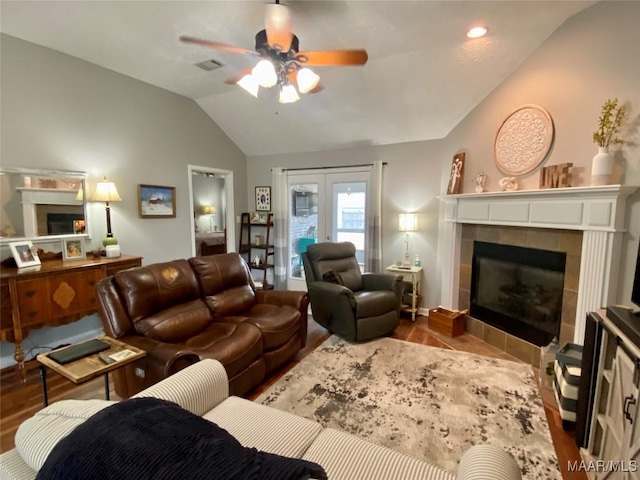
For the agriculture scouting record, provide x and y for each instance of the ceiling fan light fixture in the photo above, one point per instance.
(288, 94)
(477, 32)
(265, 74)
(307, 80)
(249, 84)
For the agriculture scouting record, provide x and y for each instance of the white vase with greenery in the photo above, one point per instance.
(609, 125)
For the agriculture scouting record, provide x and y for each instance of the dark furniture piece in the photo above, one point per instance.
(211, 243)
(54, 293)
(351, 304)
(256, 242)
(182, 311)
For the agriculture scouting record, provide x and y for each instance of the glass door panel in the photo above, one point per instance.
(348, 214)
(325, 207)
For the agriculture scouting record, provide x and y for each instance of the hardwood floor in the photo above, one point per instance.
(20, 401)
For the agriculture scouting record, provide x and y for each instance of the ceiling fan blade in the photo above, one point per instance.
(316, 89)
(277, 21)
(218, 45)
(234, 80)
(325, 58)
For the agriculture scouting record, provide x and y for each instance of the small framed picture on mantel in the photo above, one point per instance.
(455, 177)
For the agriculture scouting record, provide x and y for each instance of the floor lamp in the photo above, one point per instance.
(106, 192)
(408, 222)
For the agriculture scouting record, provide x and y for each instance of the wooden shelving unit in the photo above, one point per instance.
(251, 249)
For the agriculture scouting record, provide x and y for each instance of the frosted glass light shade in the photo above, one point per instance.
(249, 84)
(106, 192)
(408, 222)
(307, 80)
(265, 74)
(288, 94)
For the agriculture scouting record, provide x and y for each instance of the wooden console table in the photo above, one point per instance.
(51, 294)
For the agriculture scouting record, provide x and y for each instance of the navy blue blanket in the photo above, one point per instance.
(148, 438)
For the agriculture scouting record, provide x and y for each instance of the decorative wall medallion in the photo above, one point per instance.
(64, 295)
(523, 140)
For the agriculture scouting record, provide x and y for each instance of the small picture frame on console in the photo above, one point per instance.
(23, 254)
(73, 249)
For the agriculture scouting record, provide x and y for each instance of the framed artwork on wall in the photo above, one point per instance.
(23, 254)
(73, 249)
(455, 177)
(263, 199)
(155, 201)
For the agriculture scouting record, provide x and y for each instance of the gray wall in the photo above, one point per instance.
(60, 112)
(593, 56)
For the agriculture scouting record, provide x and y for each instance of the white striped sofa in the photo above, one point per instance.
(202, 388)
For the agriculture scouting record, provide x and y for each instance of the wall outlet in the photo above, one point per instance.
(140, 372)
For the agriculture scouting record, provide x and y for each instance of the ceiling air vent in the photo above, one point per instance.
(209, 65)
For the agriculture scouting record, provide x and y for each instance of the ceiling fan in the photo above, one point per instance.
(281, 63)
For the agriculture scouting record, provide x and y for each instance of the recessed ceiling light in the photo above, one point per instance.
(477, 32)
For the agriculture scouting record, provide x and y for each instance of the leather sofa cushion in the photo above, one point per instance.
(370, 304)
(176, 323)
(232, 301)
(278, 324)
(217, 273)
(236, 346)
(153, 288)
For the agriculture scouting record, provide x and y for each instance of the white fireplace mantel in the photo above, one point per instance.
(597, 211)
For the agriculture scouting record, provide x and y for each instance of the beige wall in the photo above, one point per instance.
(593, 56)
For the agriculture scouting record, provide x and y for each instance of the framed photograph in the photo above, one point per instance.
(79, 227)
(23, 254)
(455, 177)
(259, 217)
(155, 201)
(73, 249)
(263, 199)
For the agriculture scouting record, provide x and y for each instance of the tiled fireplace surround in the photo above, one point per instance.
(586, 223)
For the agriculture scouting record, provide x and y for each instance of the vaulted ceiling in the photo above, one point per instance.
(423, 75)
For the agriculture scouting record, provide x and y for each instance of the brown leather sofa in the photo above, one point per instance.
(183, 311)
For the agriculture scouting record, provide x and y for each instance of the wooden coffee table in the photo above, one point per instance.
(87, 368)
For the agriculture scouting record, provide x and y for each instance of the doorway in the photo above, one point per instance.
(325, 207)
(211, 202)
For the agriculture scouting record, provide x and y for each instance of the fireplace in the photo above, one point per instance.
(518, 290)
(586, 223)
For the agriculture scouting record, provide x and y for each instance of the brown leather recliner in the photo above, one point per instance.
(182, 311)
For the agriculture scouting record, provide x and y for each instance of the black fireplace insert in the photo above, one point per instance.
(518, 290)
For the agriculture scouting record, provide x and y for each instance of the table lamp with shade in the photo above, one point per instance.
(106, 192)
(408, 222)
(210, 211)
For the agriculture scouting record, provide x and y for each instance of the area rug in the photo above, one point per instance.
(424, 401)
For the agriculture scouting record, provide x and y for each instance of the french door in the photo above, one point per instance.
(325, 207)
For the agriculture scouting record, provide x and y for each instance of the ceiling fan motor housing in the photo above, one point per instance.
(262, 45)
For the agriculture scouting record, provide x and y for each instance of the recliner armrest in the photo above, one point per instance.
(164, 357)
(382, 281)
(297, 300)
